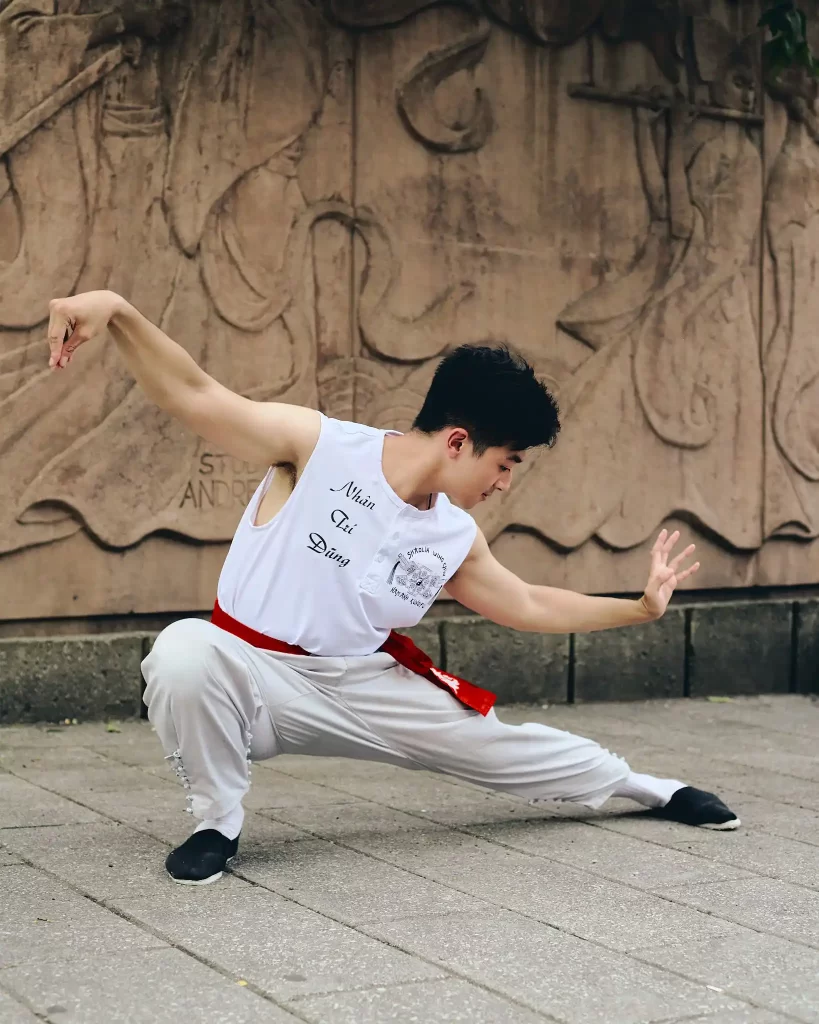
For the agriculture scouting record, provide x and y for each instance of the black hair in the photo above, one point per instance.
(494, 395)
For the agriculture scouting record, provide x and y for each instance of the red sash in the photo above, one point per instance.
(396, 645)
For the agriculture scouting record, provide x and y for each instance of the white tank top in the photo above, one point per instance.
(345, 560)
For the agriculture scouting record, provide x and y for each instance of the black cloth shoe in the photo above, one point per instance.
(201, 858)
(696, 807)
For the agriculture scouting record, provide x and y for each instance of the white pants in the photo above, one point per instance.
(217, 702)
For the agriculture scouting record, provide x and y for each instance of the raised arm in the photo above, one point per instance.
(262, 433)
(488, 588)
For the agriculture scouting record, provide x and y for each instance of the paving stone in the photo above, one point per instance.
(764, 854)
(12, 1012)
(428, 1002)
(102, 776)
(37, 756)
(791, 714)
(389, 785)
(781, 762)
(7, 856)
(271, 789)
(518, 667)
(772, 786)
(747, 1015)
(632, 664)
(48, 679)
(381, 830)
(476, 844)
(807, 647)
(617, 857)
(124, 794)
(767, 970)
(583, 904)
(740, 648)
(160, 986)
(45, 920)
(22, 804)
(309, 871)
(761, 903)
(551, 972)
(756, 814)
(280, 947)
(104, 859)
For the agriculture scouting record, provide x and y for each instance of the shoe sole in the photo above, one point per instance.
(725, 826)
(200, 881)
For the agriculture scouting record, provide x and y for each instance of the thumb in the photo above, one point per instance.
(69, 345)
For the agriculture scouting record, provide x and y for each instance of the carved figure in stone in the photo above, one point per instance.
(656, 24)
(248, 82)
(199, 218)
(791, 360)
(665, 416)
(82, 125)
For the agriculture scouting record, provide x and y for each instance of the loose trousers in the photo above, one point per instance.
(217, 703)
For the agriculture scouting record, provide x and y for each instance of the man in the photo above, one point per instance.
(355, 538)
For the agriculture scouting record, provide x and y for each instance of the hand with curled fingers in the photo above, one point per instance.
(75, 320)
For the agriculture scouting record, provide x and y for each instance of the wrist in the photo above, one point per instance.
(644, 611)
(120, 308)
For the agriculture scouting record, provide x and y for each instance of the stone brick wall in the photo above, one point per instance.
(718, 649)
(317, 198)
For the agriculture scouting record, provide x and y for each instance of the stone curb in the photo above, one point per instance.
(703, 650)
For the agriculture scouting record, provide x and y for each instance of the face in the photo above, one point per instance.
(287, 160)
(736, 90)
(474, 478)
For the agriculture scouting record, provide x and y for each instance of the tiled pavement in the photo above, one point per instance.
(367, 894)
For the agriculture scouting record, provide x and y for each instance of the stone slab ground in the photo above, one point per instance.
(366, 894)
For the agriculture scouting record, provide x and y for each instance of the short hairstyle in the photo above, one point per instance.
(494, 395)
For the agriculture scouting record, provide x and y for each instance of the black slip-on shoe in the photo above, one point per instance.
(692, 806)
(201, 858)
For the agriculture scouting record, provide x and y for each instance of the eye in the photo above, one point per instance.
(505, 469)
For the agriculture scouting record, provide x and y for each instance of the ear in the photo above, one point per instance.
(456, 440)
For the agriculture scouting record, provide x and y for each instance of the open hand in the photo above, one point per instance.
(76, 320)
(664, 575)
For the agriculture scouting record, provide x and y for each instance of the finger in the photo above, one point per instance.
(658, 543)
(679, 559)
(687, 572)
(70, 345)
(57, 330)
(672, 540)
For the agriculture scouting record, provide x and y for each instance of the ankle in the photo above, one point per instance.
(230, 824)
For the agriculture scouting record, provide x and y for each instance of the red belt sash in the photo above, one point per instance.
(396, 645)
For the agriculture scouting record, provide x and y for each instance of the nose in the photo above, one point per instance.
(504, 482)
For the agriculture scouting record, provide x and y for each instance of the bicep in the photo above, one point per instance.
(485, 586)
(261, 433)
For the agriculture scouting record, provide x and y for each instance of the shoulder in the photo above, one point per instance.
(462, 520)
(349, 428)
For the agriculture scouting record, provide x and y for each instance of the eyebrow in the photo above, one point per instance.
(515, 458)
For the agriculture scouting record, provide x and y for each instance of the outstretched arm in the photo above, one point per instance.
(488, 588)
(263, 433)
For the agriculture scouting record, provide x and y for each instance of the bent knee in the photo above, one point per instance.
(179, 657)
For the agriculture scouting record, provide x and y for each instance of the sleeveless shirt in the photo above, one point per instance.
(345, 560)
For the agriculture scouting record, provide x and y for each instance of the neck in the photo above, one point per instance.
(410, 465)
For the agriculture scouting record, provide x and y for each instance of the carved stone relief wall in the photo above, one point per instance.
(318, 198)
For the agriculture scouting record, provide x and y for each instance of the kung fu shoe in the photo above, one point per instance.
(692, 806)
(201, 858)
